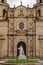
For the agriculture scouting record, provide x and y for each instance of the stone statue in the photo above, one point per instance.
(21, 50)
(21, 53)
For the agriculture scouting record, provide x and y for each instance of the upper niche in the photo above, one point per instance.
(40, 1)
(20, 11)
(2, 1)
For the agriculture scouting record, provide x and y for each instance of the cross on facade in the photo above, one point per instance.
(21, 3)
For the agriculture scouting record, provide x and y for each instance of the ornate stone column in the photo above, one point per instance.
(10, 51)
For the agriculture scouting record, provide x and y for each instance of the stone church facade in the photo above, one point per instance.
(21, 26)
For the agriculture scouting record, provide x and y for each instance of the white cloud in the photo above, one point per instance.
(24, 2)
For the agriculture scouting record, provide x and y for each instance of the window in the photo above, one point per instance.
(40, 1)
(2, 1)
(39, 12)
(4, 11)
(21, 25)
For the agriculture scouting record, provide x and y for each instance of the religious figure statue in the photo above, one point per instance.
(21, 53)
(21, 50)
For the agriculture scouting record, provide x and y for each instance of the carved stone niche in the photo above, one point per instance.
(40, 37)
(31, 13)
(2, 37)
(21, 13)
(41, 42)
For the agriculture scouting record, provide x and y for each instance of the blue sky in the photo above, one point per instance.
(24, 2)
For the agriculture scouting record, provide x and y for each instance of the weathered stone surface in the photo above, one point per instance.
(12, 32)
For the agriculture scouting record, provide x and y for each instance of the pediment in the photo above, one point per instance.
(20, 11)
(21, 6)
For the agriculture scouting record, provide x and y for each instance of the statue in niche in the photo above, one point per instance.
(21, 13)
(21, 50)
(21, 53)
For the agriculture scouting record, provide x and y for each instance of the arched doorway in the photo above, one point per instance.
(23, 45)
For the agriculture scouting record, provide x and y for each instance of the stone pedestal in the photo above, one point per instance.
(22, 57)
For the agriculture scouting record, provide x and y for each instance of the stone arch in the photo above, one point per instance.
(23, 45)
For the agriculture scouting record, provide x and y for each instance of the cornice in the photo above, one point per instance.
(38, 4)
(4, 4)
